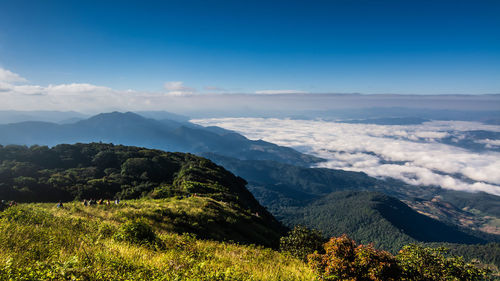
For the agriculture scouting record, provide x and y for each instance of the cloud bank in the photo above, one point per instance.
(279, 92)
(9, 76)
(412, 153)
(16, 93)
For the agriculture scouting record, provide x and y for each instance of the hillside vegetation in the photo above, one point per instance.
(84, 171)
(129, 241)
(374, 217)
(190, 220)
(115, 242)
(367, 209)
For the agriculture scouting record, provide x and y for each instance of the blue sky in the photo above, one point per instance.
(345, 46)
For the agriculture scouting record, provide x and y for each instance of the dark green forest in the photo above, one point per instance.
(75, 172)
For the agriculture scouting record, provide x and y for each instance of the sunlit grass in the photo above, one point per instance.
(42, 242)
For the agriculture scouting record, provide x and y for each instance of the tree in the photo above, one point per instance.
(135, 167)
(106, 159)
(421, 263)
(301, 241)
(344, 260)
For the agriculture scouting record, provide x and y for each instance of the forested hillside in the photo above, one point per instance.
(269, 180)
(338, 202)
(374, 217)
(105, 171)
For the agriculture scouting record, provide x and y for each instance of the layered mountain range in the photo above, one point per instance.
(280, 178)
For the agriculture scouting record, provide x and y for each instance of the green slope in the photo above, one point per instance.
(374, 217)
(284, 189)
(43, 242)
(84, 171)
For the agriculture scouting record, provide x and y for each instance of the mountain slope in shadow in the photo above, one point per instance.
(375, 217)
(368, 209)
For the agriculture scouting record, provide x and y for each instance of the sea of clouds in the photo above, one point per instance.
(412, 153)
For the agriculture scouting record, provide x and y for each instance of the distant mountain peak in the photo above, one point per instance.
(115, 116)
(130, 128)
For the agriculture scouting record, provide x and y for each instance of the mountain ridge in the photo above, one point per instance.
(298, 195)
(132, 129)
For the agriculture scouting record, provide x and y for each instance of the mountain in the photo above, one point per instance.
(383, 115)
(132, 129)
(15, 116)
(388, 121)
(270, 180)
(368, 209)
(278, 177)
(477, 140)
(163, 115)
(467, 217)
(225, 209)
(389, 223)
(374, 217)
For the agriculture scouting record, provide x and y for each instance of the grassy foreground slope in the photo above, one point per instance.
(42, 242)
(228, 211)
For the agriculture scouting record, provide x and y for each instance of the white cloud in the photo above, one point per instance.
(5, 87)
(279, 92)
(177, 88)
(489, 143)
(16, 94)
(410, 153)
(9, 76)
(84, 97)
(76, 88)
(29, 89)
(21, 89)
(214, 88)
(179, 93)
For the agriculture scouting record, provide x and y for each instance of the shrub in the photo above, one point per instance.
(137, 232)
(301, 241)
(343, 260)
(106, 230)
(26, 215)
(419, 263)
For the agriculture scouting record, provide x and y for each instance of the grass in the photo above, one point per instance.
(42, 242)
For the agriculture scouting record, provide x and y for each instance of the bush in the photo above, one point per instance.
(419, 263)
(26, 215)
(301, 241)
(343, 260)
(137, 232)
(106, 230)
